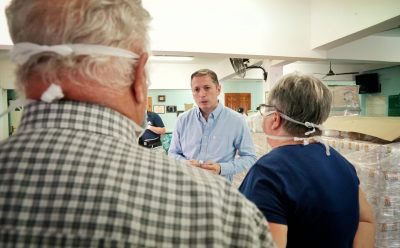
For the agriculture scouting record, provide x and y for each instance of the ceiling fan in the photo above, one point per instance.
(331, 73)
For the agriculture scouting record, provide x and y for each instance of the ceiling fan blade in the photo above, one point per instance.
(345, 73)
(319, 73)
(325, 76)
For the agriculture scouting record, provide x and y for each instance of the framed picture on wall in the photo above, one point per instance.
(171, 109)
(161, 98)
(159, 109)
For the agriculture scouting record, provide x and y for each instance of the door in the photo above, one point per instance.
(236, 100)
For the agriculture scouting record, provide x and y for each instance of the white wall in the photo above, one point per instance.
(282, 29)
(7, 70)
(257, 27)
(274, 73)
(385, 49)
(333, 20)
(5, 40)
(177, 75)
(170, 76)
(7, 79)
(4, 119)
(313, 67)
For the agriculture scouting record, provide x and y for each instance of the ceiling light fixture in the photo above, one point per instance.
(170, 58)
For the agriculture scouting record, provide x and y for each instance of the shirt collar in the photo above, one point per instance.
(78, 116)
(217, 111)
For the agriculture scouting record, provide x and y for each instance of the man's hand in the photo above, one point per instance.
(211, 167)
(194, 162)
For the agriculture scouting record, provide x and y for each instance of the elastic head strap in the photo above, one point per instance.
(22, 52)
(306, 124)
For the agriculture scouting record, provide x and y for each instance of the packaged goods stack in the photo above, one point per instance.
(372, 145)
(254, 121)
(378, 168)
(389, 215)
(261, 146)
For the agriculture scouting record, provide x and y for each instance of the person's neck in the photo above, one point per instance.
(274, 143)
(206, 112)
(119, 100)
(279, 143)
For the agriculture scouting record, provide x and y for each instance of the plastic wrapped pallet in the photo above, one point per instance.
(378, 168)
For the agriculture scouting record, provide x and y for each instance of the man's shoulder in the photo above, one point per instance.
(232, 118)
(232, 114)
(187, 115)
(152, 115)
(172, 185)
(200, 182)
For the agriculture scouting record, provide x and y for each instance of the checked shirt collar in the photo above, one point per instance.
(78, 116)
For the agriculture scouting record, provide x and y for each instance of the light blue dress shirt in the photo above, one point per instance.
(215, 140)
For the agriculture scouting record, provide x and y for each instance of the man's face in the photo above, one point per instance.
(205, 93)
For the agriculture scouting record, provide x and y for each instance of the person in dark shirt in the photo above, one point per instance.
(308, 192)
(151, 137)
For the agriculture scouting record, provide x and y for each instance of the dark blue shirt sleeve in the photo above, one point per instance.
(156, 120)
(264, 187)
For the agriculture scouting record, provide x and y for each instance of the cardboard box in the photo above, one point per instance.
(385, 128)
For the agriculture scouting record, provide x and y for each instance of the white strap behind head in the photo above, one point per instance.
(54, 92)
(21, 52)
(305, 140)
(306, 124)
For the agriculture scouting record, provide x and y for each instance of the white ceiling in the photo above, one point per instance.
(306, 65)
(356, 34)
(352, 34)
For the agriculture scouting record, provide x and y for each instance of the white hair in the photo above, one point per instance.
(115, 23)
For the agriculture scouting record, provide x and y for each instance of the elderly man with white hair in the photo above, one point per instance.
(73, 175)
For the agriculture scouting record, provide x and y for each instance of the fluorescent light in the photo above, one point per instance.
(170, 58)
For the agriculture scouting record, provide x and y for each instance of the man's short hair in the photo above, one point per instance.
(206, 72)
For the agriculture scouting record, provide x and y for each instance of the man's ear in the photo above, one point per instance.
(139, 85)
(219, 89)
(276, 121)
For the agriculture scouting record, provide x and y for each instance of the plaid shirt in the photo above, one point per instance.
(74, 176)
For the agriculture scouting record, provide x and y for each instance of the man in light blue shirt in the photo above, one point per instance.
(211, 136)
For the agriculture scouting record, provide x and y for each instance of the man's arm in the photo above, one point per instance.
(157, 130)
(279, 234)
(365, 235)
(158, 126)
(247, 156)
(175, 149)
